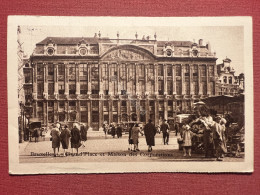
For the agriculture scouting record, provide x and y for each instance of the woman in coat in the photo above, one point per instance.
(150, 132)
(135, 135)
(83, 133)
(65, 136)
(186, 136)
(75, 138)
(55, 134)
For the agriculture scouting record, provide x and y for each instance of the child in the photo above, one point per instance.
(186, 135)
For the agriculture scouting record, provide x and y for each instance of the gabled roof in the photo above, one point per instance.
(73, 40)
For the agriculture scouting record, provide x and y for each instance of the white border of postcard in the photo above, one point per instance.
(121, 167)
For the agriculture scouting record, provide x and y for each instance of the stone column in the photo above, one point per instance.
(128, 109)
(137, 88)
(146, 71)
(89, 112)
(101, 118)
(66, 109)
(89, 78)
(66, 91)
(119, 111)
(166, 109)
(191, 80)
(77, 111)
(156, 79)
(147, 110)
(77, 79)
(156, 111)
(35, 81)
(165, 79)
(110, 111)
(45, 92)
(101, 87)
(45, 113)
(119, 85)
(207, 79)
(182, 79)
(174, 79)
(138, 109)
(56, 84)
(199, 80)
(55, 111)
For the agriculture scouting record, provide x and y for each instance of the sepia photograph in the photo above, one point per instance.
(125, 94)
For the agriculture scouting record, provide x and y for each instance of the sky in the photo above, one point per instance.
(226, 41)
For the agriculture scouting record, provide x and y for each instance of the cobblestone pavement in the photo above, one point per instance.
(101, 149)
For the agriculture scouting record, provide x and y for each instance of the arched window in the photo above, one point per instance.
(225, 79)
(230, 80)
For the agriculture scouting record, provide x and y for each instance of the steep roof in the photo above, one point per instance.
(73, 40)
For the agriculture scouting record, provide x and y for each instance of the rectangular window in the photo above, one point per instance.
(151, 70)
(61, 69)
(83, 70)
(84, 117)
(195, 70)
(50, 70)
(50, 117)
(61, 88)
(178, 88)
(94, 72)
(50, 88)
(211, 70)
(187, 88)
(123, 103)
(61, 117)
(169, 87)
(72, 89)
(40, 69)
(196, 88)
(95, 87)
(178, 70)
(72, 103)
(122, 70)
(95, 104)
(141, 70)
(61, 104)
(40, 88)
(72, 70)
(83, 103)
(50, 104)
(160, 70)
(169, 70)
(83, 87)
(203, 70)
(160, 87)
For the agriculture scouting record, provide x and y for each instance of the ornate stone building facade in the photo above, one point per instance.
(92, 80)
(228, 83)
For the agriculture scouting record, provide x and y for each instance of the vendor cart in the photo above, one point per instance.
(35, 129)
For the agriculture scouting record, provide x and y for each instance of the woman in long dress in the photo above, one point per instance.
(55, 134)
(135, 136)
(150, 132)
(75, 138)
(65, 136)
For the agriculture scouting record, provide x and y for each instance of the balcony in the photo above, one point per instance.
(51, 97)
(62, 97)
(72, 107)
(94, 96)
(72, 96)
(60, 77)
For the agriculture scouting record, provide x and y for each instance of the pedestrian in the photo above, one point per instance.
(176, 127)
(119, 131)
(105, 128)
(83, 134)
(218, 133)
(135, 136)
(55, 135)
(165, 130)
(187, 136)
(64, 138)
(223, 123)
(130, 138)
(75, 138)
(150, 132)
(113, 130)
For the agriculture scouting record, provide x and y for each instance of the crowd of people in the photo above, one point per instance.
(77, 136)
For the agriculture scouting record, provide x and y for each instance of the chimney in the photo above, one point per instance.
(200, 42)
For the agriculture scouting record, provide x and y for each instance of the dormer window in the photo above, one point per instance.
(83, 51)
(50, 51)
(169, 53)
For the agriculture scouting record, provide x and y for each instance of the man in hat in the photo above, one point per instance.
(150, 132)
(165, 130)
